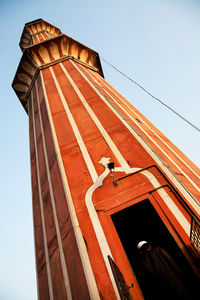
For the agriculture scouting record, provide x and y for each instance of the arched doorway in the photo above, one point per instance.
(142, 222)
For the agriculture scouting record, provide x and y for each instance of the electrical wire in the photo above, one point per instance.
(157, 99)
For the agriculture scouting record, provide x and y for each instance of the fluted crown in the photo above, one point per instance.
(33, 28)
(44, 45)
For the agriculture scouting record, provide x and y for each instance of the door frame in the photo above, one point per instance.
(117, 249)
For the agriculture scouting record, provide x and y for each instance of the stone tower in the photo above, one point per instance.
(103, 176)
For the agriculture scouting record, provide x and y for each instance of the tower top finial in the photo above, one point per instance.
(34, 21)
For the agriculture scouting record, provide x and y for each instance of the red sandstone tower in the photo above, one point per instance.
(89, 214)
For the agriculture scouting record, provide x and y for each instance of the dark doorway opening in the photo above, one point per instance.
(142, 222)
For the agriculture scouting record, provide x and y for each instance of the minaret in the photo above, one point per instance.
(103, 176)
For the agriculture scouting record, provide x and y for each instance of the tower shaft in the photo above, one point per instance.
(78, 125)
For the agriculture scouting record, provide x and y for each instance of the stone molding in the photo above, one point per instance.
(46, 53)
(34, 28)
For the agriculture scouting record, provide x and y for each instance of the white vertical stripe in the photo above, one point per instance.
(103, 244)
(48, 34)
(169, 202)
(104, 133)
(193, 202)
(36, 266)
(93, 290)
(43, 36)
(80, 141)
(37, 38)
(60, 247)
(42, 210)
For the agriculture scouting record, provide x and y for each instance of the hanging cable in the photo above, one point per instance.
(157, 99)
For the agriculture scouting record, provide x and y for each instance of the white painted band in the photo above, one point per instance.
(36, 266)
(47, 34)
(37, 38)
(43, 36)
(60, 246)
(169, 202)
(42, 209)
(103, 244)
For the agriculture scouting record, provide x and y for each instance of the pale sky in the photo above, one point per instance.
(157, 43)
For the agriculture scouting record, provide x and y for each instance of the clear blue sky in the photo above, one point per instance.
(157, 43)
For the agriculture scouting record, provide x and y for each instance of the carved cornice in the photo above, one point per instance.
(26, 39)
(24, 76)
(46, 53)
(34, 28)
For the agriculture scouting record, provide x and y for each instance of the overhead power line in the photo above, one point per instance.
(157, 99)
